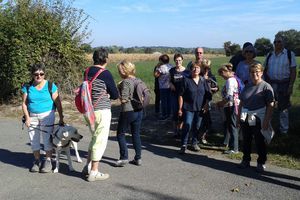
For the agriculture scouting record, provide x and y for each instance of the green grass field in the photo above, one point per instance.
(283, 150)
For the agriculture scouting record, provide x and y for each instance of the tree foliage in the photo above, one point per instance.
(231, 48)
(263, 46)
(48, 31)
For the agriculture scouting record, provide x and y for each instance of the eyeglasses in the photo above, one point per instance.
(255, 72)
(39, 74)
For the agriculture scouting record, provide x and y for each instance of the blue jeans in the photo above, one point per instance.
(230, 117)
(132, 120)
(192, 121)
(165, 96)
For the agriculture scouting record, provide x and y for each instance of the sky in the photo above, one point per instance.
(187, 23)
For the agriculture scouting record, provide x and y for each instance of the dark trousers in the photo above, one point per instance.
(231, 127)
(157, 100)
(133, 121)
(248, 133)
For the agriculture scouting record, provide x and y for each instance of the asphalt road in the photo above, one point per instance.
(164, 174)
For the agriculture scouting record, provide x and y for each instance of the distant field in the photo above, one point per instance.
(146, 62)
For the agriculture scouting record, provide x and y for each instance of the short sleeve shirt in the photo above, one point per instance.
(39, 101)
(279, 65)
(257, 96)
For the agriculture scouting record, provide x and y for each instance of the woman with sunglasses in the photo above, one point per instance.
(39, 106)
(242, 70)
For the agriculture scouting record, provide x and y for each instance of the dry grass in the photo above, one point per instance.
(148, 57)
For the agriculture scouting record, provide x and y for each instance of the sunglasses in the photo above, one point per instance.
(278, 42)
(248, 51)
(39, 74)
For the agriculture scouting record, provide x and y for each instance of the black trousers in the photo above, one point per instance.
(248, 133)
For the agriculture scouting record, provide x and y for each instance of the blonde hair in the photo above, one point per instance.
(225, 68)
(205, 63)
(256, 66)
(126, 68)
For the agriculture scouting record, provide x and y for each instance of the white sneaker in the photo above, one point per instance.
(121, 163)
(98, 177)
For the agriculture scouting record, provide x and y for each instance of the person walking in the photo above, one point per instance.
(280, 72)
(103, 89)
(129, 117)
(40, 99)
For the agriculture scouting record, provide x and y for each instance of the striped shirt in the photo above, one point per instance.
(279, 65)
(104, 88)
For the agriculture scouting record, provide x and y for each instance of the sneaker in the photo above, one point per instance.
(244, 164)
(195, 147)
(182, 150)
(98, 177)
(204, 141)
(121, 163)
(47, 167)
(36, 166)
(230, 152)
(137, 162)
(260, 168)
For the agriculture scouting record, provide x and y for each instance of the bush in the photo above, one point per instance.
(40, 31)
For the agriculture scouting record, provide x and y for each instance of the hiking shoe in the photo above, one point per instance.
(137, 162)
(195, 147)
(36, 166)
(230, 152)
(98, 177)
(182, 150)
(47, 167)
(260, 168)
(121, 163)
(244, 164)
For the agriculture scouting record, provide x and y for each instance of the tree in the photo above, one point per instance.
(227, 48)
(87, 48)
(263, 46)
(48, 31)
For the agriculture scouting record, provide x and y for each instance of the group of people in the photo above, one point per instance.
(39, 105)
(249, 95)
(248, 98)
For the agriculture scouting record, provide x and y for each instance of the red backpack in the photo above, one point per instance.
(83, 98)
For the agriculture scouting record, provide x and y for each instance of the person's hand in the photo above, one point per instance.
(205, 108)
(61, 122)
(180, 112)
(27, 122)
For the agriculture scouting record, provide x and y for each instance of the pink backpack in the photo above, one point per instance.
(83, 98)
